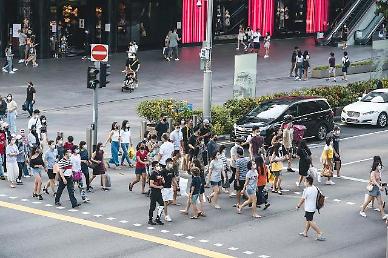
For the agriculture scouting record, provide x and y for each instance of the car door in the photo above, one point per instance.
(308, 112)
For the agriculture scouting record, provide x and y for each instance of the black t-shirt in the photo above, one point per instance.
(157, 178)
(30, 93)
(293, 57)
(257, 142)
(161, 128)
(168, 175)
(203, 131)
(132, 63)
(193, 141)
(186, 134)
(332, 61)
(336, 143)
(196, 183)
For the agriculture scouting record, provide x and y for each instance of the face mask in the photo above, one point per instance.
(127, 125)
(170, 166)
(9, 98)
(44, 121)
(85, 147)
(379, 167)
(52, 146)
(77, 151)
(60, 142)
(102, 148)
(142, 147)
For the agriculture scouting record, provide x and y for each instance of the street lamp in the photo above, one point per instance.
(206, 55)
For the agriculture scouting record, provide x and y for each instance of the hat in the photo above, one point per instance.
(21, 131)
(13, 135)
(206, 121)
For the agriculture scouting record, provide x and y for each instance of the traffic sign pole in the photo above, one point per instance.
(95, 111)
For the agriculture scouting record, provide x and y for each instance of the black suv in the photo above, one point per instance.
(312, 112)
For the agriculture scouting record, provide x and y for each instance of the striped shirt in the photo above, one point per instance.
(66, 165)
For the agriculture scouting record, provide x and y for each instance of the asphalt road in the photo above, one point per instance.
(36, 232)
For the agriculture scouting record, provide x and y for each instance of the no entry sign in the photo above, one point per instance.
(99, 53)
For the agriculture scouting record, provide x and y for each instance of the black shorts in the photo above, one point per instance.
(309, 215)
(50, 174)
(256, 45)
(344, 69)
(240, 186)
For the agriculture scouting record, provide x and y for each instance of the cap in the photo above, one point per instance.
(13, 135)
(206, 121)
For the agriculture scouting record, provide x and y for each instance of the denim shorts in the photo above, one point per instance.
(214, 183)
(250, 191)
(194, 198)
(36, 171)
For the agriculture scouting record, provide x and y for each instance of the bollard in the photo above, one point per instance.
(195, 120)
(170, 125)
(89, 143)
(143, 129)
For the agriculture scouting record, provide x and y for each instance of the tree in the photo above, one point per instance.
(382, 7)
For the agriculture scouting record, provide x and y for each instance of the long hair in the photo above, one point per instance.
(260, 165)
(124, 125)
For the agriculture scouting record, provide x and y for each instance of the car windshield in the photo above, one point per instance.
(268, 111)
(377, 97)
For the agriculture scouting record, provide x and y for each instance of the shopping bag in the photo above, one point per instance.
(131, 153)
(183, 182)
(271, 177)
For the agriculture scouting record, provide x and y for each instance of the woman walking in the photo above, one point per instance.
(276, 162)
(374, 188)
(99, 167)
(126, 142)
(327, 161)
(299, 66)
(262, 179)
(84, 163)
(240, 37)
(216, 168)
(267, 44)
(306, 64)
(141, 168)
(37, 165)
(305, 162)
(250, 188)
(12, 152)
(50, 157)
(114, 139)
(12, 107)
(76, 162)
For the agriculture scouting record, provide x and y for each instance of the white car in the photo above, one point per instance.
(371, 109)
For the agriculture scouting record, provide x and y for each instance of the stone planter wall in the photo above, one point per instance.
(319, 74)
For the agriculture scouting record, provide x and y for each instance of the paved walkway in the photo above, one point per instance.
(64, 98)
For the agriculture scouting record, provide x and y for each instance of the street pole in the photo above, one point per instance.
(207, 74)
(95, 110)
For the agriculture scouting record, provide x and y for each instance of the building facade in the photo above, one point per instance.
(116, 22)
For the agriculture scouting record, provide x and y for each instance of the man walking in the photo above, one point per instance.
(3, 108)
(256, 143)
(309, 198)
(337, 156)
(293, 62)
(22, 46)
(331, 67)
(66, 180)
(165, 151)
(161, 127)
(167, 191)
(241, 172)
(156, 186)
(30, 98)
(174, 38)
(9, 56)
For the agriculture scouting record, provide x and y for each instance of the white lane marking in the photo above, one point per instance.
(355, 179)
(3, 195)
(13, 197)
(36, 202)
(150, 228)
(48, 205)
(190, 237)
(164, 231)
(233, 248)
(248, 252)
(218, 244)
(60, 208)
(357, 161)
(350, 203)
(296, 192)
(97, 215)
(85, 212)
(24, 200)
(285, 190)
(72, 210)
(314, 146)
(264, 256)
(336, 200)
(204, 241)
(137, 225)
(178, 234)
(110, 218)
(123, 221)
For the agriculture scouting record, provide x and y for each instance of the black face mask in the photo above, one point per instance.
(164, 119)
(142, 147)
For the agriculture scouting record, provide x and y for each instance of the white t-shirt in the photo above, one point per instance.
(256, 37)
(125, 136)
(165, 151)
(310, 196)
(176, 137)
(76, 162)
(35, 121)
(115, 136)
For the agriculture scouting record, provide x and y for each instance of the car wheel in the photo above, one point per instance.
(322, 132)
(382, 120)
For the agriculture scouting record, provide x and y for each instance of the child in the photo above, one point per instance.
(156, 186)
(331, 67)
(195, 191)
(262, 178)
(250, 188)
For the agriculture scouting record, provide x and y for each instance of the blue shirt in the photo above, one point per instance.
(50, 157)
(241, 164)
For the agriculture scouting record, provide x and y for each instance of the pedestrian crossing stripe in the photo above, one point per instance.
(116, 230)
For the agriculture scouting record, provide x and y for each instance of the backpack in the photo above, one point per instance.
(320, 202)
(347, 62)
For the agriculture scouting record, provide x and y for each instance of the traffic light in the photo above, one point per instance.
(92, 80)
(104, 73)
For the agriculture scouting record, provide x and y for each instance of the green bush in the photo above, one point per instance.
(223, 117)
(352, 64)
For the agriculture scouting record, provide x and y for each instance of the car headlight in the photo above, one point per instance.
(343, 111)
(369, 113)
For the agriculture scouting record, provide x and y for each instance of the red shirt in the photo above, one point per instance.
(143, 157)
(68, 146)
(262, 179)
(3, 140)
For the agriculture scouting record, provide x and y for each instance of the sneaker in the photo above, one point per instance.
(159, 222)
(86, 200)
(35, 65)
(385, 217)
(21, 61)
(233, 194)
(5, 70)
(330, 182)
(151, 222)
(11, 72)
(290, 170)
(176, 59)
(296, 78)
(19, 182)
(266, 206)
(168, 59)
(2, 177)
(362, 214)
(77, 205)
(297, 184)
(320, 238)
(168, 218)
(40, 197)
(58, 204)
(14, 69)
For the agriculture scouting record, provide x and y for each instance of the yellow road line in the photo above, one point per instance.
(116, 230)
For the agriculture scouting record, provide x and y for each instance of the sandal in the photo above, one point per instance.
(209, 199)
(130, 187)
(238, 209)
(194, 217)
(185, 212)
(302, 234)
(256, 216)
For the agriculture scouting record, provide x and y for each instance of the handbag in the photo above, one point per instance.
(77, 175)
(276, 166)
(24, 106)
(369, 187)
(327, 171)
(92, 164)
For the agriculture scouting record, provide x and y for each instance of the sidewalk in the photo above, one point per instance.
(65, 100)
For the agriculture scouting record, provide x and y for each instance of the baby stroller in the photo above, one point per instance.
(129, 82)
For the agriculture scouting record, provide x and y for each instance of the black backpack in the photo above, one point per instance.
(320, 202)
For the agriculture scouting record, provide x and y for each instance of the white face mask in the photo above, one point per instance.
(379, 167)
(77, 151)
(102, 148)
(52, 146)
(9, 98)
(85, 147)
(170, 166)
(60, 142)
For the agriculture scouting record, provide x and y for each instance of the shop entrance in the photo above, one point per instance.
(290, 18)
